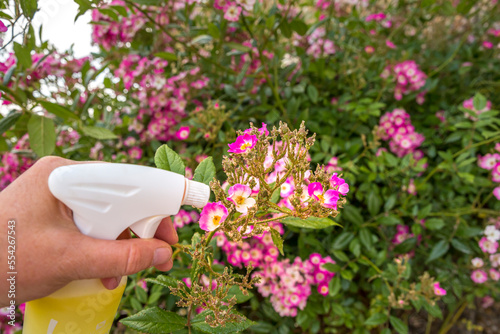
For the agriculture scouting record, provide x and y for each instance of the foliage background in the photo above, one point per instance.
(218, 75)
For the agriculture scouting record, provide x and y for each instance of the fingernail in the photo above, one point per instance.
(118, 279)
(162, 255)
(112, 282)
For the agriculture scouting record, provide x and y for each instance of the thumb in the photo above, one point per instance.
(115, 258)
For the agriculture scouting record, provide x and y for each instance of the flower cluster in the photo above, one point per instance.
(407, 76)
(319, 45)
(381, 18)
(13, 164)
(487, 266)
(396, 126)
(162, 99)
(110, 33)
(491, 161)
(55, 71)
(332, 165)
(469, 105)
(67, 137)
(289, 284)
(184, 218)
(256, 251)
(402, 233)
(264, 173)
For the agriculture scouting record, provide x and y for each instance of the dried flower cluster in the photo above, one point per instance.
(261, 166)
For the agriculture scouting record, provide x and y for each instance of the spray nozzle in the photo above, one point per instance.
(196, 194)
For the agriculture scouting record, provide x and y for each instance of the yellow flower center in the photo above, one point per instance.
(245, 146)
(321, 198)
(216, 220)
(239, 200)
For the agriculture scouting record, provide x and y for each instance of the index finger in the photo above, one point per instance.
(166, 231)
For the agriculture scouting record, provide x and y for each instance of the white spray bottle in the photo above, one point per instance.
(106, 199)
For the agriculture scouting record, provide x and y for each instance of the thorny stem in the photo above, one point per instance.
(429, 324)
(207, 242)
(448, 325)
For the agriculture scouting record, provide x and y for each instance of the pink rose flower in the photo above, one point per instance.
(239, 194)
(183, 133)
(243, 143)
(439, 291)
(212, 215)
(479, 276)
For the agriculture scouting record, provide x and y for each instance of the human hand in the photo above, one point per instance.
(51, 251)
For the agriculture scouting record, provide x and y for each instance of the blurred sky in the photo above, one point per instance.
(59, 28)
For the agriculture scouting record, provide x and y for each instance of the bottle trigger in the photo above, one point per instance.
(146, 228)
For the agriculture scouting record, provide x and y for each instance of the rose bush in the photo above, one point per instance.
(401, 96)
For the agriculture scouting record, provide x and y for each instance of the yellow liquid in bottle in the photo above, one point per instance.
(81, 307)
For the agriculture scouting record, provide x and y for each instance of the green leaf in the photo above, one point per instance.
(8, 75)
(374, 203)
(4, 147)
(84, 6)
(347, 274)
(141, 295)
(424, 212)
(232, 327)
(23, 55)
(334, 286)
(237, 46)
(311, 222)
(390, 202)
(340, 255)
(438, 250)
(398, 325)
(434, 224)
(353, 215)
(166, 55)
(299, 27)
(235, 291)
(205, 172)
(42, 134)
(58, 110)
(331, 267)
(479, 101)
(213, 30)
(164, 280)
(405, 246)
(120, 10)
(376, 319)
(7, 122)
(155, 321)
(433, 310)
(390, 220)
(275, 197)
(355, 247)
(168, 159)
(29, 7)
(98, 132)
(202, 39)
(109, 13)
(285, 29)
(460, 246)
(278, 241)
(390, 159)
(342, 240)
(313, 94)
(366, 237)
